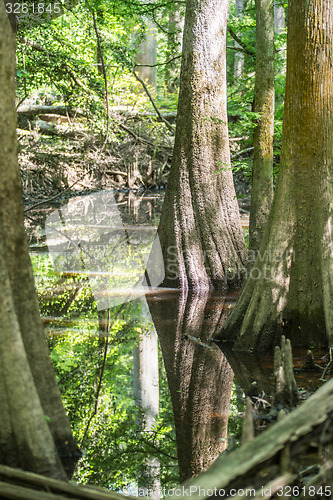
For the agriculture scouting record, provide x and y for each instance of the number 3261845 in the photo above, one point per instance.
(33, 8)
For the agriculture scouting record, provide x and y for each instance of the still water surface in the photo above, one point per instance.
(146, 389)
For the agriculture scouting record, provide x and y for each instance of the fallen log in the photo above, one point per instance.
(21, 485)
(32, 110)
(257, 464)
(253, 470)
(52, 129)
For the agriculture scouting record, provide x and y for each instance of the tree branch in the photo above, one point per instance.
(159, 64)
(245, 48)
(170, 127)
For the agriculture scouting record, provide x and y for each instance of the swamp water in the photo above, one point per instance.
(145, 388)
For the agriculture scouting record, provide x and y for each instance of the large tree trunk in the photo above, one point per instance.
(290, 289)
(199, 376)
(19, 311)
(200, 230)
(262, 171)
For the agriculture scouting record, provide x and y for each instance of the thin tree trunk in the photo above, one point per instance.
(239, 56)
(262, 171)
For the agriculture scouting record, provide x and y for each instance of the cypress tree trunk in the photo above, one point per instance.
(262, 171)
(200, 231)
(29, 384)
(290, 289)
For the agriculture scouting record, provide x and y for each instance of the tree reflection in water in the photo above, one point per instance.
(199, 376)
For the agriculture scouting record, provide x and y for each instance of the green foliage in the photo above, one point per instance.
(241, 91)
(114, 446)
(236, 414)
(106, 423)
(62, 57)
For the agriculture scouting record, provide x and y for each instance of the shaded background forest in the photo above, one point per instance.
(93, 55)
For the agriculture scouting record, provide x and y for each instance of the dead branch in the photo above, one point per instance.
(286, 388)
(170, 127)
(21, 485)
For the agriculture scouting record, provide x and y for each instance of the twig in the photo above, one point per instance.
(58, 194)
(105, 80)
(237, 49)
(245, 48)
(170, 127)
(239, 153)
(156, 65)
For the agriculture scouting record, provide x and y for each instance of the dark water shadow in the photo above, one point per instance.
(258, 369)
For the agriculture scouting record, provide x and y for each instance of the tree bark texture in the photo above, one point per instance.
(199, 376)
(262, 170)
(200, 230)
(28, 381)
(18, 484)
(290, 288)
